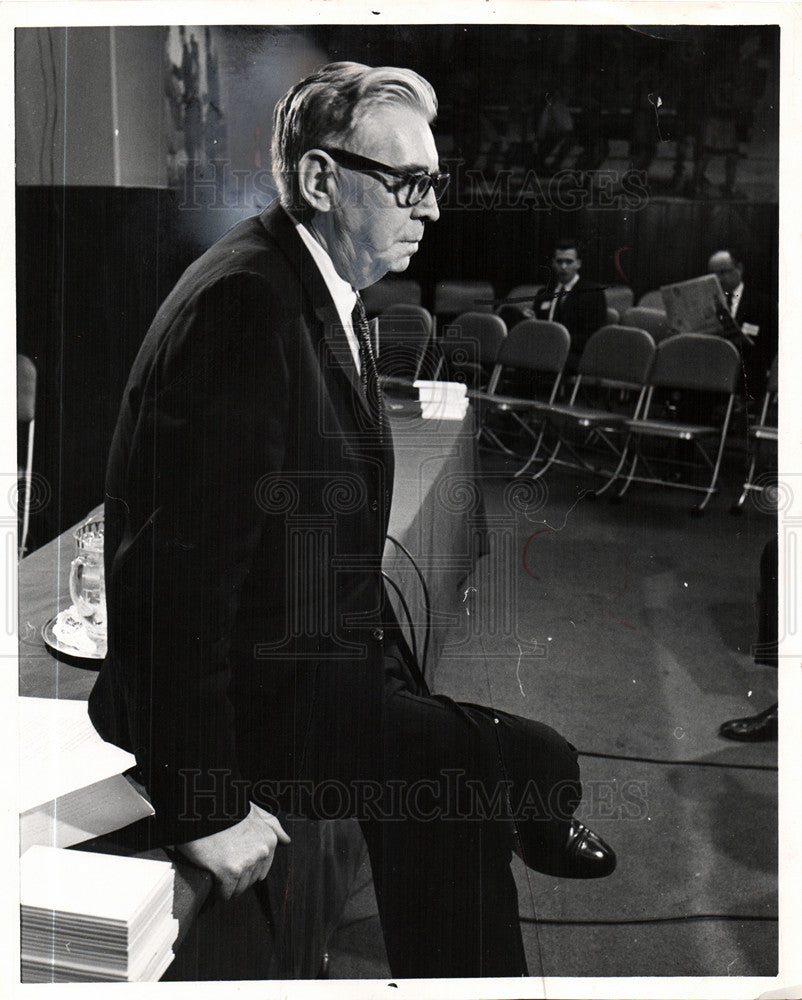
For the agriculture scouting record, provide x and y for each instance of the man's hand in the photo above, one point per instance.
(240, 855)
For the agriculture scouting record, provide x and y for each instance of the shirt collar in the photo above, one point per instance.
(568, 286)
(340, 290)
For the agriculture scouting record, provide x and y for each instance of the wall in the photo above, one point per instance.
(74, 87)
(91, 104)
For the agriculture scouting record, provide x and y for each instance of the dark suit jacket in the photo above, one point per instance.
(582, 311)
(247, 499)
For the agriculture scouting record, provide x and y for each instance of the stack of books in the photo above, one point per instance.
(442, 400)
(94, 917)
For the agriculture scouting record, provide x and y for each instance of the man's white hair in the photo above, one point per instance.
(328, 106)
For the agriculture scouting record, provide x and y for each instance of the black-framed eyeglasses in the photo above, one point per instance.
(411, 186)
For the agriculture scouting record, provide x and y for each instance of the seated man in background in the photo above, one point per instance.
(750, 320)
(571, 300)
(247, 669)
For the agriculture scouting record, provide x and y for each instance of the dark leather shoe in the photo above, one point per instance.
(752, 729)
(585, 855)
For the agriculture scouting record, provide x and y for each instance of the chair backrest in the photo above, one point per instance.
(388, 292)
(621, 354)
(26, 389)
(536, 344)
(654, 321)
(407, 309)
(524, 291)
(619, 297)
(652, 300)
(486, 330)
(403, 339)
(613, 316)
(697, 361)
(452, 297)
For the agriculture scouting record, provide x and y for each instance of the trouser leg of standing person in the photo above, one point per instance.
(768, 602)
(764, 725)
(464, 780)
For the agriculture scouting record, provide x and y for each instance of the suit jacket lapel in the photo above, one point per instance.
(280, 227)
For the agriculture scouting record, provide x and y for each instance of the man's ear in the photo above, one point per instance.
(316, 180)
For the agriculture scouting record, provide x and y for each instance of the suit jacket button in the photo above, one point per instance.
(374, 505)
(378, 634)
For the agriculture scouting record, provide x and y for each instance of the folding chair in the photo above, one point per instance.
(619, 297)
(26, 412)
(615, 363)
(653, 321)
(535, 351)
(388, 292)
(404, 334)
(698, 363)
(469, 347)
(762, 435)
(513, 312)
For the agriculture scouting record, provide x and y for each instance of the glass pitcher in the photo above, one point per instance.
(87, 583)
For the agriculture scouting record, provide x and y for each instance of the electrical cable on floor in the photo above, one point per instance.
(650, 920)
(679, 763)
(552, 922)
(427, 604)
(407, 614)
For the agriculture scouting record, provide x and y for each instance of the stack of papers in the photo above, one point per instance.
(94, 917)
(71, 786)
(442, 400)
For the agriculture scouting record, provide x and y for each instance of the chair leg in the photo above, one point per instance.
(535, 450)
(616, 471)
(747, 486)
(628, 480)
(549, 461)
(711, 489)
(496, 440)
(26, 501)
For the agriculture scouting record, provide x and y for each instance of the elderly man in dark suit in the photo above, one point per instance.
(750, 318)
(253, 658)
(571, 300)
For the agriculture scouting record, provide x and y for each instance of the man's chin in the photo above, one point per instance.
(401, 263)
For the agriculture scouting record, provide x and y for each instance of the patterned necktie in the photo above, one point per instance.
(728, 297)
(367, 363)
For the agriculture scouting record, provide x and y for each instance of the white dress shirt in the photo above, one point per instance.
(735, 301)
(341, 291)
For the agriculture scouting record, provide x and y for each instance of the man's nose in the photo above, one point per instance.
(427, 208)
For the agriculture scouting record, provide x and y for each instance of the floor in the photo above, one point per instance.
(627, 627)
